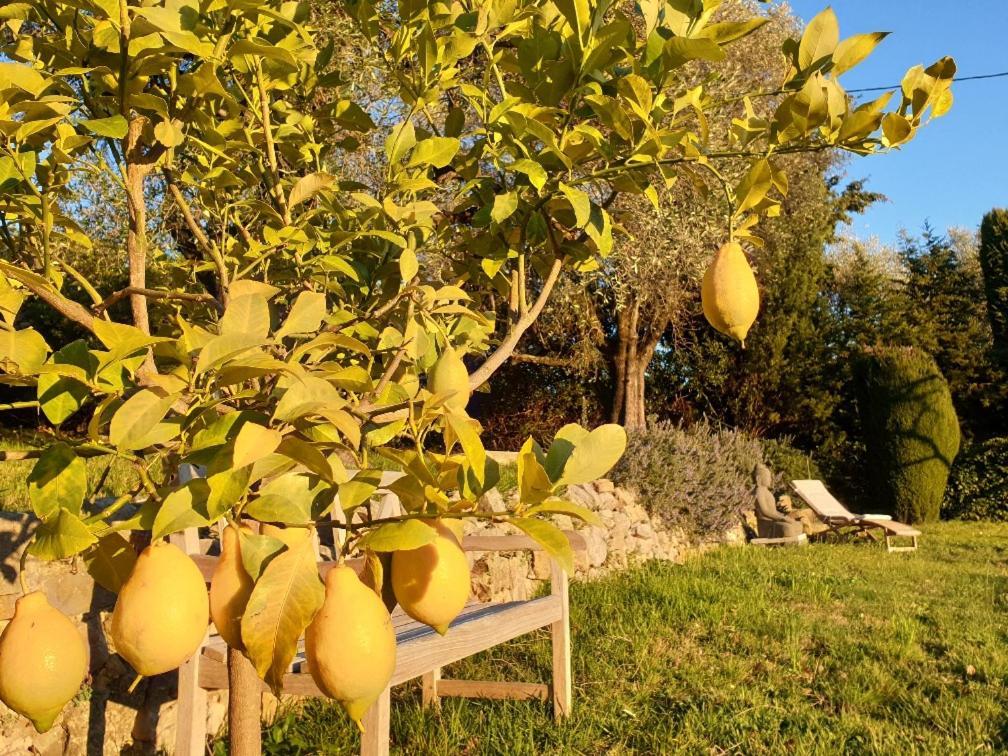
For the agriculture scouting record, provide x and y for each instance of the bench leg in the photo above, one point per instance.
(375, 738)
(191, 733)
(430, 688)
(560, 633)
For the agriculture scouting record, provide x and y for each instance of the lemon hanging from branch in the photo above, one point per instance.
(729, 293)
(43, 661)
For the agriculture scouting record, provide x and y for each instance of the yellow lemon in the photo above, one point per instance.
(230, 589)
(163, 611)
(432, 583)
(350, 645)
(448, 376)
(729, 293)
(43, 661)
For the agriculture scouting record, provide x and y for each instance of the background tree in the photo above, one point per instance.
(994, 263)
(910, 431)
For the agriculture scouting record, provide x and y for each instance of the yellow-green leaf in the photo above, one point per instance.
(185, 507)
(550, 537)
(136, 423)
(595, 455)
(282, 604)
(253, 443)
(60, 537)
(854, 49)
(110, 561)
(819, 39)
(57, 481)
(398, 536)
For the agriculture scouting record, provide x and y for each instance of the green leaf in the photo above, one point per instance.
(578, 13)
(305, 316)
(680, 50)
(534, 484)
(227, 487)
(819, 40)
(23, 77)
(595, 455)
(169, 133)
(896, 128)
(359, 489)
(398, 536)
(283, 602)
(466, 431)
(754, 186)
(57, 481)
(110, 561)
(409, 266)
(535, 172)
(257, 550)
(60, 537)
(550, 537)
(566, 439)
(504, 206)
(185, 507)
(436, 152)
(730, 31)
(247, 314)
(137, 423)
(287, 498)
(224, 347)
(308, 186)
(854, 49)
(307, 455)
(60, 396)
(254, 442)
(113, 127)
(560, 506)
(580, 203)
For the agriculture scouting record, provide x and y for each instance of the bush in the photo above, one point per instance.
(788, 463)
(699, 479)
(910, 430)
(978, 485)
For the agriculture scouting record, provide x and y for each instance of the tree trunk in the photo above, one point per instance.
(636, 341)
(244, 706)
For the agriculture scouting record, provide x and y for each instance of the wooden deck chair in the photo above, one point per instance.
(843, 522)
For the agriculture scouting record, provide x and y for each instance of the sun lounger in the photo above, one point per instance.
(842, 521)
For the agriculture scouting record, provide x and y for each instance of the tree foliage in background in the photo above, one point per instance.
(994, 262)
(910, 431)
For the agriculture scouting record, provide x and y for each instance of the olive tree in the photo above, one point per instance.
(318, 272)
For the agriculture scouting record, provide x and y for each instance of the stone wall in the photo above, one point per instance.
(106, 719)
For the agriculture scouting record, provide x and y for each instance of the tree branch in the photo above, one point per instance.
(510, 342)
(538, 359)
(47, 293)
(209, 248)
(139, 291)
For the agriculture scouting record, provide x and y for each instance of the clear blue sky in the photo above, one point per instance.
(957, 166)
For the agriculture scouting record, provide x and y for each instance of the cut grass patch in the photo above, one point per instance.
(824, 649)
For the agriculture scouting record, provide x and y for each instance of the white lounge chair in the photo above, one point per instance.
(842, 521)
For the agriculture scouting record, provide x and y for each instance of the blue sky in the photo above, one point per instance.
(957, 167)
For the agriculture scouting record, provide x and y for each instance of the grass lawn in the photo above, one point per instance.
(823, 649)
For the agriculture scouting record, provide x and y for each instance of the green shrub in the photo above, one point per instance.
(788, 463)
(699, 479)
(978, 485)
(910, 430)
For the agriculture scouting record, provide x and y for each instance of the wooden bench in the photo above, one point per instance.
(420, 652)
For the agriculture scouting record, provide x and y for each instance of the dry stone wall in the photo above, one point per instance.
(106, 719)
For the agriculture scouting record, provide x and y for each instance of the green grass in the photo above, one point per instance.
(14, 491)
(824, 649)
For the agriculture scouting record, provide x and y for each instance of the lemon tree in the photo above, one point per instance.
(327, 299)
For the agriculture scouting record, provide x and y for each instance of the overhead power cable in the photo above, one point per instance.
(956, 79)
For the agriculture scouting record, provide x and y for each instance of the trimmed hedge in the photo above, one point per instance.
(978, 486)
(910, 428)
(699, 479)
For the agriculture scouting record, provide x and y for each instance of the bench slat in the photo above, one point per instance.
(419, 649)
